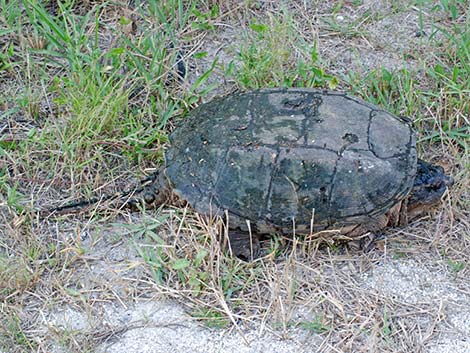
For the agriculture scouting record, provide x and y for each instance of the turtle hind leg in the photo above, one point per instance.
(244, 245)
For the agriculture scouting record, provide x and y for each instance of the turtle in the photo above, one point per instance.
(296, 160)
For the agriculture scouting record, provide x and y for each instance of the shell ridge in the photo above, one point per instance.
(310, 147)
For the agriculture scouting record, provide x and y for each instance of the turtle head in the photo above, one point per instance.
(430, 184)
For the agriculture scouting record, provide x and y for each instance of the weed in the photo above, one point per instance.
(386, 325)
(317, 325)
(12, 332)
(456, 266)
(14, 276)
(399, 255)
(73, 340)
(154, 256)
(348, 29)
(13, 198)
(211, 318)
(6, 57)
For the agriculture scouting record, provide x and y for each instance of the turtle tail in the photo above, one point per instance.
(146, 192)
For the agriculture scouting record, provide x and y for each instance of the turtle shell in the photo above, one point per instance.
(280, 158)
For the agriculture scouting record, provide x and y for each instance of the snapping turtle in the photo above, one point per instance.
(300, 160)
(303, 160)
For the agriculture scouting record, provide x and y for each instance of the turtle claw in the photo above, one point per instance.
(365, 243)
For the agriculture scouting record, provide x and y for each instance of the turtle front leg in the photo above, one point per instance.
(364, 235)
(244, 245)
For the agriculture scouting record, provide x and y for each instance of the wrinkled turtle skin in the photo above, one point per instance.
(278, 157)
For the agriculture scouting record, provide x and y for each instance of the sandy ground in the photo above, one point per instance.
(155, 324)
(424, 300)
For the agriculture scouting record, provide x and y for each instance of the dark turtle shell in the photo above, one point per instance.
(278, 157)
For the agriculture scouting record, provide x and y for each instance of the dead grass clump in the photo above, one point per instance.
(299, 285)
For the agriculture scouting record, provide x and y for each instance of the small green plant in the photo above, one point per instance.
(387, 329)
(14, 276)
(456, 266)
(275, 245)
(268, 58)
(73, 340)
(397, 254)
(13, 198)
(211, 318)
(6, 57)
(234, 277)
(189, 272)
(317, 325)
(28, 102)
(163, 260)
(12, 333)
(154, 256)
(348, 29)
(203, 19)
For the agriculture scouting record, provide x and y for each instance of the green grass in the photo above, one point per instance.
(444, 94)
(273, 54)
(211, 318)
(12, 333)
(317, 325)
(112, 104)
